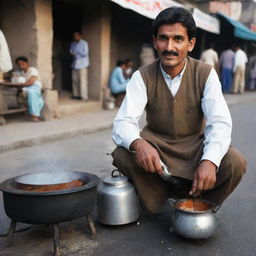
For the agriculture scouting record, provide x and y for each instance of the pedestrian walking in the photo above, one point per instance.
(226, 69)
(80, 52)
(239, 70)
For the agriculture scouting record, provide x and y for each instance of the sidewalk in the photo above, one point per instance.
(21, 134)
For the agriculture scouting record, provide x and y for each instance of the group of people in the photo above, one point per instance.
(232, 68)
(28, 77)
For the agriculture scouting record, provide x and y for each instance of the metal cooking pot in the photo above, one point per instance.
(194, 218)
(117, 201)
(53, 206)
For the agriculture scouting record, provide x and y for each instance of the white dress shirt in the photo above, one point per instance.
(210, 57)
(32, 72)
(240, 59)
(218, 120)
(5, 59)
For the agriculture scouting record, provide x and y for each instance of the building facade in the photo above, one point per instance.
(42, 31)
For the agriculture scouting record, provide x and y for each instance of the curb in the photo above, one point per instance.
(52, 137)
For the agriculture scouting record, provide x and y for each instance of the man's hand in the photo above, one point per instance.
(147, 156)
(204, 178)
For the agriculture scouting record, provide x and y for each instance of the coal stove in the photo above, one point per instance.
(50, 198)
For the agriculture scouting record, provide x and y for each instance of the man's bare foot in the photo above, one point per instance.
(35, 119)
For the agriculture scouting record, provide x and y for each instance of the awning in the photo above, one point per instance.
(240, 30)
(148, 8)
(206, 21)
(151, 8)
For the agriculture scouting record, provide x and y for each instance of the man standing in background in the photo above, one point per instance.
(239, 70)
(210, 57)
(226, 68)
(147, 55)
(80, 52)
(252, 73)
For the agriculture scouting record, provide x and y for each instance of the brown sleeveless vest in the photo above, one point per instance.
(175, 124)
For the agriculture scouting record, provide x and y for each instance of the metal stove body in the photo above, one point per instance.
(50, 207)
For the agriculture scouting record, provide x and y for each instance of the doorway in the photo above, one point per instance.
(67, 18)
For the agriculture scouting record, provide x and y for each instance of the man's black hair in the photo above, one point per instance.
(174, 15)
(119, 63)
(22, 58)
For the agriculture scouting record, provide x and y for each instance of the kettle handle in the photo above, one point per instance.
(216, 208)
(113, 175)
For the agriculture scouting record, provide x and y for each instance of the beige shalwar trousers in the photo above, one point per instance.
(153, 191)
(239, 80)
(80, 83)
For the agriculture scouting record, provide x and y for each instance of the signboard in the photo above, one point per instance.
(206, 22)
(231, 9)
(253, 27)
(148, 8)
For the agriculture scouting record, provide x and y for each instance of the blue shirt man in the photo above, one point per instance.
(80, 52)
(118, 82)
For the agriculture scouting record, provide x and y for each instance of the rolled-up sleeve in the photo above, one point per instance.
(126, 124)
(218, 121)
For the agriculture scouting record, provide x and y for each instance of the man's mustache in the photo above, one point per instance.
(169, 53)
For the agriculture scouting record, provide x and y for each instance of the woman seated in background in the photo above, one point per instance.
(32, 88)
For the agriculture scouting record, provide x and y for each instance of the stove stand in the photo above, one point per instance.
(11, 233)
(56, 240)
(56, 234)
(91, 224)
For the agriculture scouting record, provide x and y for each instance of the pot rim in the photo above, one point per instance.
(8, 186)
(213, 206)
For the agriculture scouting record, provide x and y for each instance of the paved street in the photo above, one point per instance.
(236, 219)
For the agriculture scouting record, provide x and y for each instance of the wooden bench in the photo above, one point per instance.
(4, 96)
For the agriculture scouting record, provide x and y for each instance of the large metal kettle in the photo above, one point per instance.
(117, 203)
